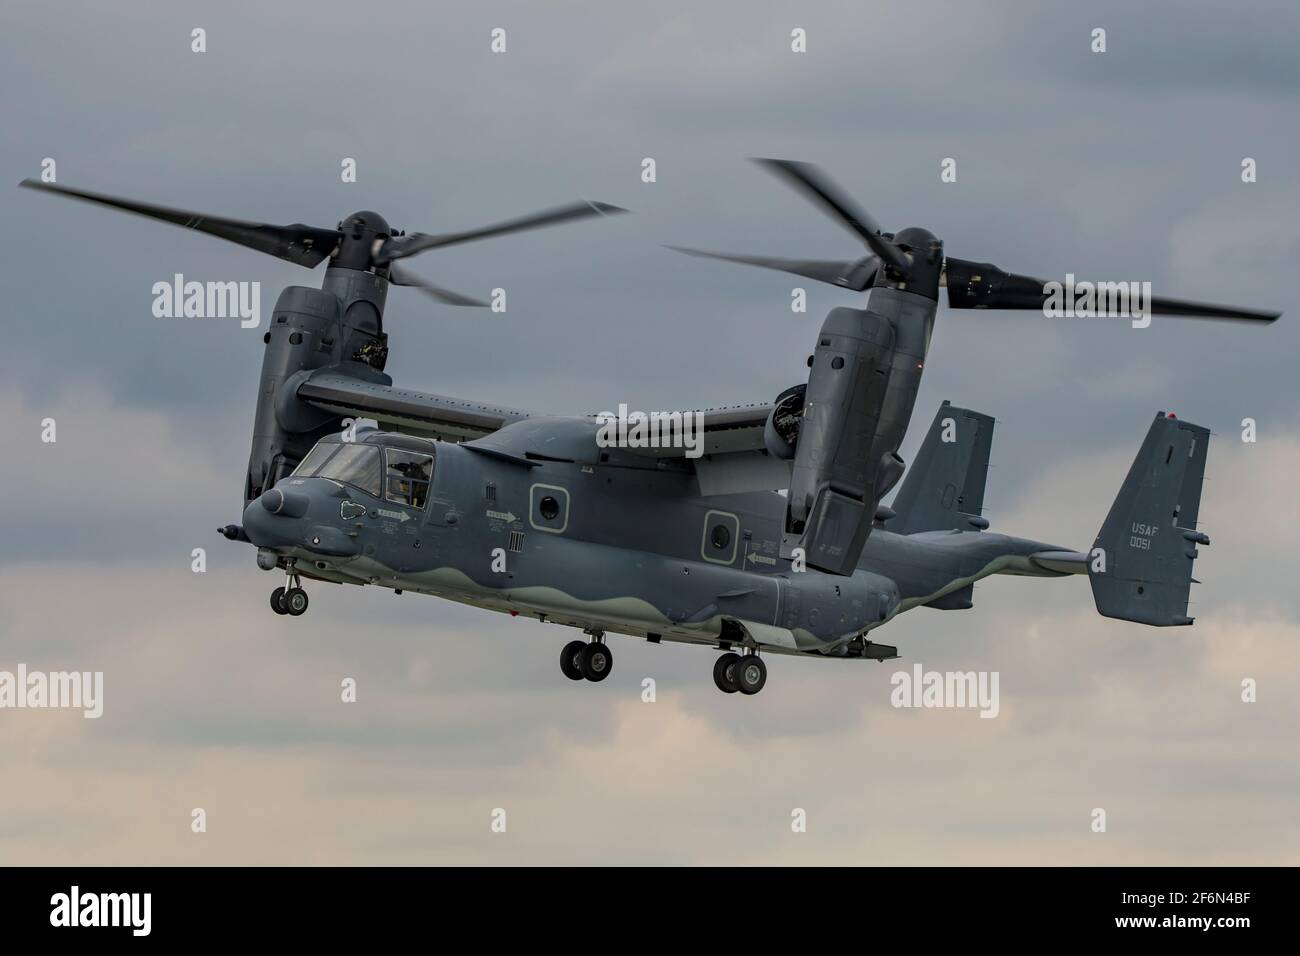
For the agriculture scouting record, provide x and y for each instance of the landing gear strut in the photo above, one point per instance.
(582, 660)
(732, 672)
(289, 600)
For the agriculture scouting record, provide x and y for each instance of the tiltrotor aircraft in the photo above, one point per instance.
(774, 540)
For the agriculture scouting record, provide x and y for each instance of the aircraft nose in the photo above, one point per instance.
(290, 504)
(268, 525)
(284, 519)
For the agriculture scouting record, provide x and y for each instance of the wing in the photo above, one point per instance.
(735, 429)
(734, 460)
(732, 428)
(435, 416)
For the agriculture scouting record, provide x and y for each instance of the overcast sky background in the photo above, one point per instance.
(1124, 165)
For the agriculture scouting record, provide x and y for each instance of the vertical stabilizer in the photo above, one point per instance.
(1148, 541)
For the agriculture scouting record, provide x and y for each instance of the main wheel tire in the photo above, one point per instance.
(596, 661)
(724, 673)
(569, 659)
(277, 601)
(295, 601)
(751, 674)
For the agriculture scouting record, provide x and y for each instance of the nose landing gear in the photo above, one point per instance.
(290, 600)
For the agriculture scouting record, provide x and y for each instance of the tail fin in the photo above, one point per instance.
(1143, 572)
(944, 488)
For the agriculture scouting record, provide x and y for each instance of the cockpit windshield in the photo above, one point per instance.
(398, 475)
(310, 466)
(351, 464)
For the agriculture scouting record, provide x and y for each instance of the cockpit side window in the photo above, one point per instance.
(409, 474)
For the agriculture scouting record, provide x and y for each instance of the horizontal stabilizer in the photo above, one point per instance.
(1061, 562)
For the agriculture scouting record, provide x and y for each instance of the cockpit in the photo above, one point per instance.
(381, 466)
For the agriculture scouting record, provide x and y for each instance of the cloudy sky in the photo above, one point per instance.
(1122, 165)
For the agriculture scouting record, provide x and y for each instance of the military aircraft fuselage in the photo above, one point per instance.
(626, 546)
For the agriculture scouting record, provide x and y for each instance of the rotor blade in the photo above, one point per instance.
(982, 285)
(1189, 309)
(398, 276)
(304, 245)
(400, 247)
(855, 275)
(817, 186)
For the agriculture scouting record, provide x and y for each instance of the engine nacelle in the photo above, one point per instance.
(781, 433)
(856, 408)
(338, 324)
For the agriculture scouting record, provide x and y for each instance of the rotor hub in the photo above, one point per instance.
(361, 234)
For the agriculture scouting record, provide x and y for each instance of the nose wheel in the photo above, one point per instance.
(583, 660)
(291, 600)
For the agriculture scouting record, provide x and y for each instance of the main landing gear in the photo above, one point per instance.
(289, 600)
(587, 660)
(732, 672)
